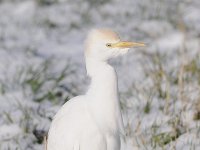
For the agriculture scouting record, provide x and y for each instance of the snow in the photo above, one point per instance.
(9, 131)
(170, 42)
(42, 66)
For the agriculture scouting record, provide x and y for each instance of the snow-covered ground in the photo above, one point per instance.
(42, 66)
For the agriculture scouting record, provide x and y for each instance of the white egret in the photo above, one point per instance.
(93, 121)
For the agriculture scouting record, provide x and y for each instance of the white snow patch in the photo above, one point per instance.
(170, 42)
(9, 131)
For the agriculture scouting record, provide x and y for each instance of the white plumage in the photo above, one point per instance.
(93, 121)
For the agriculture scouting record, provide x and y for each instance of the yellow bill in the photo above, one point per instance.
(125, 44)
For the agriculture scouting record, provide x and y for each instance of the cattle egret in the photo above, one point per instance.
(93, 121)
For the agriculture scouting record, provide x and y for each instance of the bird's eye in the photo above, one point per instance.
(108, 44)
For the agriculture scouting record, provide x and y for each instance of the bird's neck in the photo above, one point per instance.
(103, 79)
(103, 93)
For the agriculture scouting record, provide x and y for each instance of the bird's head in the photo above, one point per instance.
(103, 44)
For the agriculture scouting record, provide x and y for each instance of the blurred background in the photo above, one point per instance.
(42, 67)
